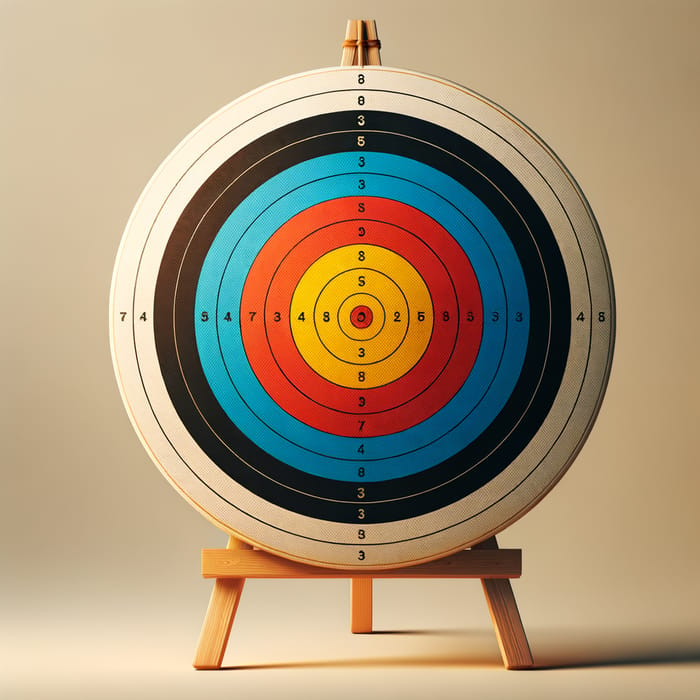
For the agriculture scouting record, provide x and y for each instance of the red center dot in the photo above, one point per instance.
(361, 316)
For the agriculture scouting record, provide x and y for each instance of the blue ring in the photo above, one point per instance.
(450, 429)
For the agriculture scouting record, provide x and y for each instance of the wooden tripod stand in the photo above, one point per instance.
(239, 561)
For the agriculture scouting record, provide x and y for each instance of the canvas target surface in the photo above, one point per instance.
(362, 317)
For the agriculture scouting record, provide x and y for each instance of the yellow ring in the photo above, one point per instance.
(342, 353)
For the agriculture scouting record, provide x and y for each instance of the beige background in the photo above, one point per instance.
(100, 590)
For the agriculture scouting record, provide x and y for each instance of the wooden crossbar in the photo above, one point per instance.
(470, 563)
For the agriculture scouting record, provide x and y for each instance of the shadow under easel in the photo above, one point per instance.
(552, 651)
(624, 648)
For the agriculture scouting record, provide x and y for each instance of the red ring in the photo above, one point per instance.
(269, 345)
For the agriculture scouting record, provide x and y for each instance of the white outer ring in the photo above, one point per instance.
(489, 509)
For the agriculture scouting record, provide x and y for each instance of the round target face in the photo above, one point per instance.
(362, 317)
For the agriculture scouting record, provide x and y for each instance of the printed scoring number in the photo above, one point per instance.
(123, 315)
(361, 121)
(601, 316)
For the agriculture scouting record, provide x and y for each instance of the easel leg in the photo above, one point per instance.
(510, 632)
(219, 618)
(361, 619)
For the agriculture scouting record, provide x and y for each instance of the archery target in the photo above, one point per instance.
(362, 317)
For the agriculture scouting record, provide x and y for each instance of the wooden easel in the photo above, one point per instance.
(239, 561)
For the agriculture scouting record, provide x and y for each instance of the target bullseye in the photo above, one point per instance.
(362, 317)
(364, 321)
